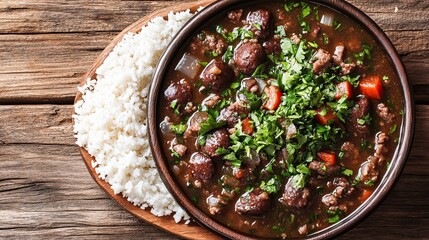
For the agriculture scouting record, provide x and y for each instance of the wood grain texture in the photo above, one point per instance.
(46, 191)
(46, 47)
(43, 43)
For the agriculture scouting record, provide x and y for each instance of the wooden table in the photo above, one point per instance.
(45, 189)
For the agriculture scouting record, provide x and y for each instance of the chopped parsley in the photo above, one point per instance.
(179, 129)
(365, 54)
(366, 120)
(392, 129)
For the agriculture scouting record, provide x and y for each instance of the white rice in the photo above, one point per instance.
(110, 121)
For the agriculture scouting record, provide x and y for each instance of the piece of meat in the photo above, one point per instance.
(272, 46)
(338, 54)
(330, 200)
(322, 169)
(194, 124)
(342, 187)
(255, 202)
(179, 91)
(259, 22)
(208, 44)
(381, 147)
(346, 68)
(384, 113)
(218, 139)
(217, 75)
(248, 55)
(235, 16)
(360, 110)
(180, 149)
(250, 85)
(295, 38)
(368, 170)
(211, 100)
(234, 112)
(201, 167)
(323, 61)
(315, 31)
(295, 197)
(351, 152)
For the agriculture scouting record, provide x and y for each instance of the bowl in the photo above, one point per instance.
(391, 175)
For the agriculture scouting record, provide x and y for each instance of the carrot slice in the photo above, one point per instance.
(344, 89)
(274, 97)
(324, 115)
(328, 158)
(247, 126)
(371, 87)
(365, 195)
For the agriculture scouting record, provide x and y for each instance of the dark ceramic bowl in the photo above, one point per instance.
(390, 177)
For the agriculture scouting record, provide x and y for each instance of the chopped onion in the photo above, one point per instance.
(327, 20)
(261, 85)
(165, 126)
(188, 65)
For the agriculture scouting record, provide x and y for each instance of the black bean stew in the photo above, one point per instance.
(280, 119)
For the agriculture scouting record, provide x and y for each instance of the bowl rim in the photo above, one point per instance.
(389, 178)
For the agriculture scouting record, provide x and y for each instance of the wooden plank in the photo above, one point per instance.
(47, 46)
(47, 192)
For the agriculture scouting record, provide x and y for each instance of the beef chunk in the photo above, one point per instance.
(259, 22)
(342, 187)
(250, 85)
(381, 147)
(295, 38)
(218, 139)
(235, 15)
(217, 75)
(322, 169)
(330, 200)
(346, 68)
(338, 54)
(201, 167)
(323, 61)
(360, 110)
(272, 46)
(248, 55)
(384, 113)
(368, 170)
(233, 113)
(179, 91)
(255, 202)
(295, 197)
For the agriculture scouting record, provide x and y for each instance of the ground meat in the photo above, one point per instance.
(201, 167)
(295, 197)
(233, 113)
(384, 113)
(235, 16)
(255, 202)
(259, 22)
(360, 110)
(180, 149)
(217, 75)
(351, 152)
(322, 169)
(179, 91)
(272, 46)
(211, 100)
(218, 139)
(368, 170)
(323, 61)
(248, 56)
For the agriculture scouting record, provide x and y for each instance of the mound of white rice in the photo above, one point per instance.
(110, 121)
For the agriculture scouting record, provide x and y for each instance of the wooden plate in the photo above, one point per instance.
(191, 231)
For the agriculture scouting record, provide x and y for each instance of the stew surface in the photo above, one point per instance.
(280, 118)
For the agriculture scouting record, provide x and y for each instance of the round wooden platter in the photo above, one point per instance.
(190, 231)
